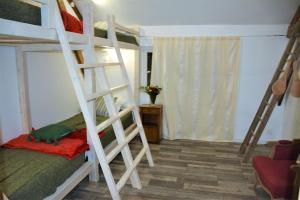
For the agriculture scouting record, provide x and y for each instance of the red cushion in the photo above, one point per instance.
(70, 146)
(67, 147)
(286, 150)
(275, 175)
(71, 23)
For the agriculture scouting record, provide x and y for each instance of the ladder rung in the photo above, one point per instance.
(267, 103)
(97, 94)
(120, 87)
(259, 117)
(105, 92)
(111, 120)
(118, 148)
(111, 64)
(127, 174)
(128, 30)
(95, 65)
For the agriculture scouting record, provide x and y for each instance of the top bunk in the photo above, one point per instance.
(31, 22)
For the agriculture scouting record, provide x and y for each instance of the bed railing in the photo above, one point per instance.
(125, 29)
(47, 10)
(41, 1)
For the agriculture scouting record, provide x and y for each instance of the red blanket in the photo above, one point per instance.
(69, 146)
(71, 23)
(81, 135)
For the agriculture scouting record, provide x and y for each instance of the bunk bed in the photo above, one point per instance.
(30, 14)
(31, 28)
(31, 22)
(28, 172)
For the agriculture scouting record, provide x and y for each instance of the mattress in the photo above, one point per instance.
(77, 122)
(22, 12)
(24, 173)
(33, 175)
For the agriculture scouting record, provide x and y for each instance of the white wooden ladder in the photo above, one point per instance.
(86, 95)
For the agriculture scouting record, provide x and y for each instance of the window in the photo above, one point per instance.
(149, 67)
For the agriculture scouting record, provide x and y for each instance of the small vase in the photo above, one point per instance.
(152, 98)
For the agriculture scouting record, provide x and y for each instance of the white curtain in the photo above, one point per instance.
(291, 117)
(199, 77)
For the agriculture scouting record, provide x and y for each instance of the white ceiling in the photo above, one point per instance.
(198, 12)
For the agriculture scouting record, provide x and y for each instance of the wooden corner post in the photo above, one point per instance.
(89, 76)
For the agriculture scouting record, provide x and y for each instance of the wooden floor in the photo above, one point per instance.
(184, 170)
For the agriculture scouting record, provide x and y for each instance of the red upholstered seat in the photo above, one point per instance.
(275, 175)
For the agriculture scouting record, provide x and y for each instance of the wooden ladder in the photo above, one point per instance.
(87, 94)
(269, 100)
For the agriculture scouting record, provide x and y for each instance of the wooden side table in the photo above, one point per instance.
(151, 116)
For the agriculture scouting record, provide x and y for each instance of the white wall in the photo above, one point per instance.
(291, 117)
(197, 12)
(261, 49)
(259, 59)
(114, 74)
(10, 118)
(51, 94)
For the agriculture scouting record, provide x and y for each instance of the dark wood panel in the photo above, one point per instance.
(151, 116)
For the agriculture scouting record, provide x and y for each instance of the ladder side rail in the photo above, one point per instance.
(89, 78)
(113, 37)
(118, 130)
(292, 26)
(267, 95)
(90, 88)
(71, 63)
(262, 125)
(47, 10)
(108, 99)
(255, 122)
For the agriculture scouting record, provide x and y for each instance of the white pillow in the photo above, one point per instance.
(101, 25)
(101, 107)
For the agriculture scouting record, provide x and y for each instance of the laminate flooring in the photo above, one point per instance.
(184, 170)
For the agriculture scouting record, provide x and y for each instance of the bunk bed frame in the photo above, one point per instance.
(32, 38)
(23, 33)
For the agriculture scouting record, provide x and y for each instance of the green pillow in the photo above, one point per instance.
(50, 134)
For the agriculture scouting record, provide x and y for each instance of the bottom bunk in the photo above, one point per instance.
(27, 174)
(32, 175)
(77, 122)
